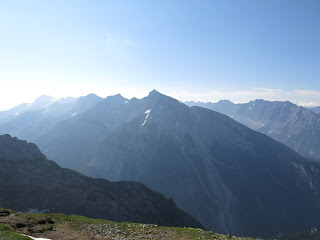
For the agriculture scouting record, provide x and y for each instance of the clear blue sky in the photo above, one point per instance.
(202, 50)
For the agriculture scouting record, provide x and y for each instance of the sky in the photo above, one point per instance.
(199, 50)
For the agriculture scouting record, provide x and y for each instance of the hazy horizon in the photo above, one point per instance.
(186, 100)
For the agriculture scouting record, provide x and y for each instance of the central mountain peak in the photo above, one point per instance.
(158, 98)
(154, 93)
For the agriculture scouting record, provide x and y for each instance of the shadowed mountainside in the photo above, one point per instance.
(29, 181)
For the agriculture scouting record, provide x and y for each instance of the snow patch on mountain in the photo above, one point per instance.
(145, 120)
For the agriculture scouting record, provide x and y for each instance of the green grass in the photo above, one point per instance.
(68, 224)
(6, 233)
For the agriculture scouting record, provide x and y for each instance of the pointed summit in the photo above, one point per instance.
(156, 97)
(225, 102)
(154, 93)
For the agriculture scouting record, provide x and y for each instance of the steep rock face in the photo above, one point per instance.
(29, 181)
(285, 122)
(232, 179)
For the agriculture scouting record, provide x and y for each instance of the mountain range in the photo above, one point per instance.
(228, 176)
(292, 125)
(31, 182)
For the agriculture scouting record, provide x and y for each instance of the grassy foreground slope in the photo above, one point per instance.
(64, 227)
(6, 233)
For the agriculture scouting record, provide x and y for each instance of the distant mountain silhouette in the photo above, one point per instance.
(38, 118)
(297, 127)
(40, 103)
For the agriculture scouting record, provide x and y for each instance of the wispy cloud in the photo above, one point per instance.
(14, 93)
(117, 41)
(307, 93)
